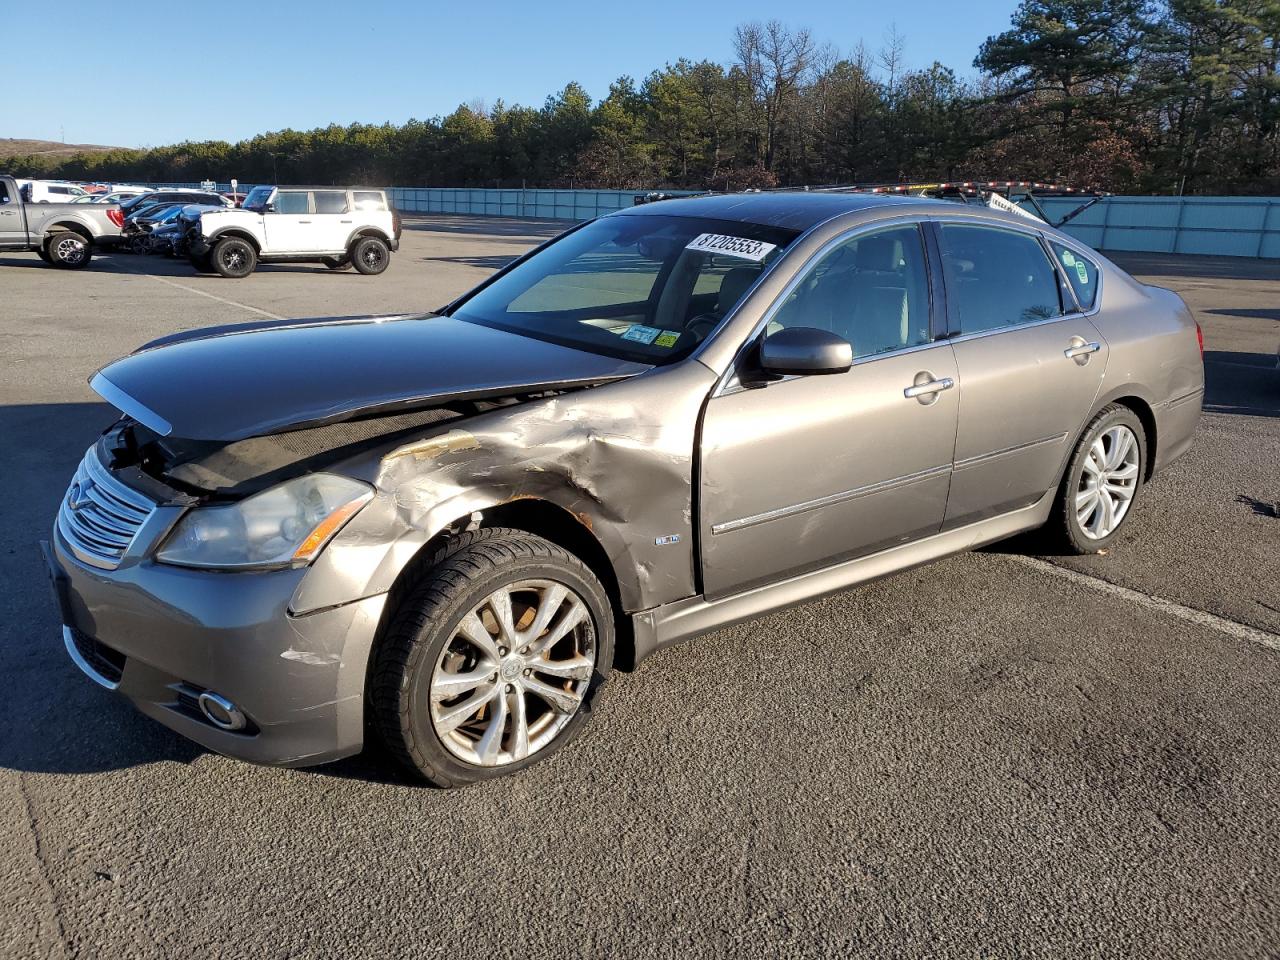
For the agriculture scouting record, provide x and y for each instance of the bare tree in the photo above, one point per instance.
(775, 60)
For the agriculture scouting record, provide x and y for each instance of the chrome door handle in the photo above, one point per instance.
(928, 388)
(1081, 350)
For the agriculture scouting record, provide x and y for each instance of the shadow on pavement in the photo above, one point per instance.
(1241, 383)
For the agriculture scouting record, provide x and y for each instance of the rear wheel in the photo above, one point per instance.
(69, 250)
(492, 659)
(1101, 484)
(234, 258)
(370, 255)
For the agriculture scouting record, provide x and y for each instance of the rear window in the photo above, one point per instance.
(369, 200)
(1081, 273)
(330, 201)
(997, 278)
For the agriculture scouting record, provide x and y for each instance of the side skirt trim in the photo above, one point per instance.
(684, 619)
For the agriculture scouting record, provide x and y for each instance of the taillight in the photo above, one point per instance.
(395, 223)
(1200, 339)
(116, 216)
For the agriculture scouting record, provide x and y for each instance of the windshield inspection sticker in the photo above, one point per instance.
(667, 338)
(728, 246)
(638, 333)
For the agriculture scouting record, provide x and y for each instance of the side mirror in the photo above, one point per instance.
(268, 208)
(804, 351)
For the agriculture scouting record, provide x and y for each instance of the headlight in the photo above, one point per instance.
(283, 526)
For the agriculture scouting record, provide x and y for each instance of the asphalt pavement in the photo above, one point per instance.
(997, 755)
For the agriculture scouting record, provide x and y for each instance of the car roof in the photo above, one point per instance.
(795, 209)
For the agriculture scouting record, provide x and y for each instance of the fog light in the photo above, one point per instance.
(220, 711)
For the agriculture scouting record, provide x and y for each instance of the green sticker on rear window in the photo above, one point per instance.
(1068, 259)
(1082, 272)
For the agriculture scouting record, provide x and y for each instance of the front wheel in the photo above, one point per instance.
(492, 659)
(370, 255)
(234, 258)
(1102, 482)
(69, 250)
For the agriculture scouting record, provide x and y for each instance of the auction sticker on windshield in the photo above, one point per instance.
(729, 246)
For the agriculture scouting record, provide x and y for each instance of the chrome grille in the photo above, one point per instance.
(100, 516)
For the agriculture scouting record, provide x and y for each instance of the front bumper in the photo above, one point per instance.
(160, 635)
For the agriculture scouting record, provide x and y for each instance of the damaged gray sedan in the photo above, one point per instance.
(449, 528)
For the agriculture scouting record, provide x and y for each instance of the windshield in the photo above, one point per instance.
(647, 288)
(256, 199)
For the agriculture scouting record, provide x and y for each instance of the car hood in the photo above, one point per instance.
(230, 383)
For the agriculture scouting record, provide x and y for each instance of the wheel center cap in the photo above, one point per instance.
(511, 668)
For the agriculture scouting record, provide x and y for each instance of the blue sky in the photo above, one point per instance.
(304, 65)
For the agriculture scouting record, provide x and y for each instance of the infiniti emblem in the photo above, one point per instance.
(78, 495)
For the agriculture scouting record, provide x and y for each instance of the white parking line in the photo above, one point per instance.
(211, 296)
(1190, 614)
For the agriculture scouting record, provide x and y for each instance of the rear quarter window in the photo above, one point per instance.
(369, 200)
(1081, 273)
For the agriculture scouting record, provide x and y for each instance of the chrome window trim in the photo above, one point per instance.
(830, 500)
(728, 381)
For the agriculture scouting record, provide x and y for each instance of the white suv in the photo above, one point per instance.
(336, 226)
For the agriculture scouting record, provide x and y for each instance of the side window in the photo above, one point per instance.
(293, 201)
(1082, 274)
(330, 201)
(998, 278)
(4, 193)
(873, 290)
(369, 200)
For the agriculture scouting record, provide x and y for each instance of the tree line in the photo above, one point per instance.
(1171, 96)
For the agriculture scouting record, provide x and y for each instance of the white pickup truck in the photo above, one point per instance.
(336, 226)
(63, 234)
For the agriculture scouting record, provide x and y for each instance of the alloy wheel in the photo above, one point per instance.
(514, 673)
(70, 250)
(1108, 482)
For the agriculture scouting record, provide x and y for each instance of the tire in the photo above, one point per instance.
(234, 258)
(424, 644)
(202, 264)
(336, 263)
(1076, 528)
(370, 255)
(68, 250)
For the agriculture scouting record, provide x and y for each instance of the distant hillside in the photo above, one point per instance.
(47, 148)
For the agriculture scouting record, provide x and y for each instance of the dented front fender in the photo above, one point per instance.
(618, 457)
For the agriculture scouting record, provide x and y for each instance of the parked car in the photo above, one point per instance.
(336, 226)
(63, 234)
(115, 196)
(667, 420)
(51, 191)
(173, 196)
